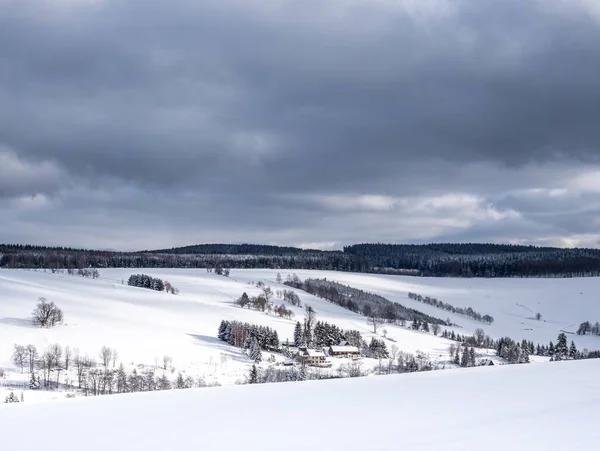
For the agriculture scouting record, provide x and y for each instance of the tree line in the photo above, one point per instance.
(373, 306)
(439, 260)
(468, 312)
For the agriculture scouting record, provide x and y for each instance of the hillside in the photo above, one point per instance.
(520, 407)
(144, 325)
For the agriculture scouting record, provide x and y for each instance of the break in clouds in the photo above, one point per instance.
(132, 124)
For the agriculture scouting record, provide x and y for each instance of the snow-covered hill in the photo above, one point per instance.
(144, 325)
(551, 407)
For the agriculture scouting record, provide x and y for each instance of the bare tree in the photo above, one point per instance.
(19, 357)
(68, 355)
(268, 293)
(50, 362)
(375, 321)
(278, 278)
(107, 355)
(167, 361)
(479, 336)
(435, 328)
(32, 357)
(46, 314)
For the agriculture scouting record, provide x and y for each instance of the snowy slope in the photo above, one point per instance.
(550, 406)
(563, 303)
(143, 324)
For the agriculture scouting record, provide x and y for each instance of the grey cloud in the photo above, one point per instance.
(232, 117)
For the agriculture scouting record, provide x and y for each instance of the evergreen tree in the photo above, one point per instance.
(472, 357)
(302, 373)
(551, 349)
(573, 350)
(253, 376)
(425, 326)
(22, 397)
(12, 398)
(457, 356)
(298, 334)
(562, 348)
(222, 330)
(255, 353)
(464, 360)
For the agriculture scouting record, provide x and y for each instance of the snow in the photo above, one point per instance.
(550, 406)
(144, 325)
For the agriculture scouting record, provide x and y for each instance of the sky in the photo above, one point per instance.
(136, 124)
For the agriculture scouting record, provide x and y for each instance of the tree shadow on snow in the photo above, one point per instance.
(18, 322)
(233, 352)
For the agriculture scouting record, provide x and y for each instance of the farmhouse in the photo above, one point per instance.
(344, 350)
(312, 357)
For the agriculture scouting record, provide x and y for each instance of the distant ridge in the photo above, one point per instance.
(435, 259)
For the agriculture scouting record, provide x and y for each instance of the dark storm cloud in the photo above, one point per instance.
(257, 110)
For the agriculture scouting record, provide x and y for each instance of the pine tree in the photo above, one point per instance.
(472, 357)
(457, 356)
(551, 349)
(573, 350)
(253, 376)
(464, 360)
(561, 349)
(222, 330)
(298, 334)
(12, 398)
(255, 353)
(425, 326)
(22, 397)
(302, 373)
(34, 382)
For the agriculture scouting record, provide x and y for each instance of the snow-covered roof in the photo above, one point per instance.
(344, 348)
(314, 353)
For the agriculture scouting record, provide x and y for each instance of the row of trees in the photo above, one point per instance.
(377, 308)
(469, 312)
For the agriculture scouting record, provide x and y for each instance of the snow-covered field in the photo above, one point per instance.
(144, 325)
(551, 407)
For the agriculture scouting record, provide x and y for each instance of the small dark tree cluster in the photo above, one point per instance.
(46, 314)
(469, 312)
(511, 351)
(244, 335)
(377, 349)
(84, 272)
(11, 398)
(587, 327)
(259, 303)
(283, 312)
(146, 281)
(291, 297)
(326, 334)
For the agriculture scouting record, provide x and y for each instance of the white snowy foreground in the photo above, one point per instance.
(549, 406)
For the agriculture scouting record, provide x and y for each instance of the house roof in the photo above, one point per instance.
(313, 353)
(344, 348)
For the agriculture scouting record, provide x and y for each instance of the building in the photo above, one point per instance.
(343, 351)
(312, 357)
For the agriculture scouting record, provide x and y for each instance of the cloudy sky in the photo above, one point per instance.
(128, 124)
